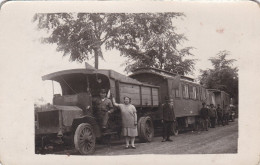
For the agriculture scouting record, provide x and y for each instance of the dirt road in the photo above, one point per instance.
(216, 140)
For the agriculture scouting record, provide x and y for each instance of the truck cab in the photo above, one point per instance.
(72, 113)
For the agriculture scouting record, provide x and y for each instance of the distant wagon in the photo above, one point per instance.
(222, 98)
(72, 114)
(216, 97)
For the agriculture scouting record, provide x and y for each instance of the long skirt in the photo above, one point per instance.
(132, 132)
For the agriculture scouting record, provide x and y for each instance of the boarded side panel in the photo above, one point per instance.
(129, 90)
(155, 91)
(146, 90)
(155, 96)
(146, 96)
(154, 80)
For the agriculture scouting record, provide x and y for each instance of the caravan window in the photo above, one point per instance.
(177, 92)
(204, 94)
(194, 93)
(198, 93)
(190, 92)
(185, 91)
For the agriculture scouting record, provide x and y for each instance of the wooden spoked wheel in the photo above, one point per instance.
(145, 129)
(175, 130)
(85, 139)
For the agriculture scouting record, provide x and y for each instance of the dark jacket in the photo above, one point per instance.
(204, 113)
(101, 107)
(168, 112)
(220, 111)
(212, 112)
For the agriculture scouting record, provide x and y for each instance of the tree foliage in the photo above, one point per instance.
(223, 76)
(147, 39)
(168, 62)
(159, 47)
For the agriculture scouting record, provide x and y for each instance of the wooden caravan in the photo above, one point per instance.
(188, 95)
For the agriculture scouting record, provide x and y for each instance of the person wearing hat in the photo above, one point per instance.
(204, 113)
(212, 115)
(102, 108)
(168, 117)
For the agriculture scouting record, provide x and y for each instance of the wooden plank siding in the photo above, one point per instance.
(131, 91)
(146, 96)
(154, 80)
(140, 95)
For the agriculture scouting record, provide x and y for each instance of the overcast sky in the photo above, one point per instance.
(209, 27)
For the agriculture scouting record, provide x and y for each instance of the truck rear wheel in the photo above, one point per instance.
(85, 139)
(145, 129)
(175, 130)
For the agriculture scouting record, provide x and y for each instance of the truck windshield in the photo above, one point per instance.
(79, 83)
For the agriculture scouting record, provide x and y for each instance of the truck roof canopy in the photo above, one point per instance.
(109, 73)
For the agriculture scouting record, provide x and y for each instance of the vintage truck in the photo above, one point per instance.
(71, 116)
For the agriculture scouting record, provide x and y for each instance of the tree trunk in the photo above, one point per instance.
(96, 54)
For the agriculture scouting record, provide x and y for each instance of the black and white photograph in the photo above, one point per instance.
(115, 79)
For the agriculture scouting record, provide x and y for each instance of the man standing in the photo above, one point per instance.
(220, 115)
(168, 118)
(102, 108)
(212, 115)
(204, 113)
(226, 114)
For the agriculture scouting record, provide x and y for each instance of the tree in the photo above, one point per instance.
(139, 36)
(158, 47)
(220, 62)
(166, 61)
(223, 76)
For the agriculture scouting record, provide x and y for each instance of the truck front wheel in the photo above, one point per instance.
(85, 139)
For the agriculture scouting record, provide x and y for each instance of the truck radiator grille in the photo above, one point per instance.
(48, 119)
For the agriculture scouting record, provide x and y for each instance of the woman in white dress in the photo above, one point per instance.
(129, 121)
